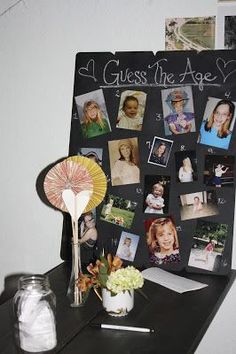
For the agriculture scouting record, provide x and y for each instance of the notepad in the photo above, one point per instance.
(171, 281)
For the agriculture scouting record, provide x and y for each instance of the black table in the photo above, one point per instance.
(179, 320)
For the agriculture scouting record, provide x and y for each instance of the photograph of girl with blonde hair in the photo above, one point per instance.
(93, 114)
(123, 161)
(218, 122)
(162, 241)
(186, 166)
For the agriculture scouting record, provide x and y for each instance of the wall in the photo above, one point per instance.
(38, 43)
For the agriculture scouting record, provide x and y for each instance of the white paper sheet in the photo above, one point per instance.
(171, 281)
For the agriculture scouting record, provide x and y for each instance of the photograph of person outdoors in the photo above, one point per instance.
(178, 111)
(162, 241)
(131, 110)
(123, 161)
(160, 151)
(218, 122)
(208, 245)
(93, 114)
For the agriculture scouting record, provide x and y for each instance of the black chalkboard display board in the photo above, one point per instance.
(162, 128)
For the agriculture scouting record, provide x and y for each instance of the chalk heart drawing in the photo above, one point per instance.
(89, 70)
(226, 68)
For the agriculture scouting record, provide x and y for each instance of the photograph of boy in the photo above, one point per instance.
(160, 151)
(218, 122)
(131, 110)
(178, 110)
(127, 246)
(162, 241)
(186, 166)
(92, 113)
(156, 194)
(198, 205)
(124, 159)
(219, 170)
(208, 245)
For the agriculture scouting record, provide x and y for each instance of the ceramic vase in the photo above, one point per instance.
(118, 305)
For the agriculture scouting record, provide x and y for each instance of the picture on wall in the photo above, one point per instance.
(190, 33)
(161, 126)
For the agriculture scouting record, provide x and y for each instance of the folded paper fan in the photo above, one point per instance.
(67, 174)
(98, 177)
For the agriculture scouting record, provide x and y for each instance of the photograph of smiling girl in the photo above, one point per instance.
(124, 161)
(131, 110)
(92, 113)
(162, 241)
(218, 123)
(156, 194)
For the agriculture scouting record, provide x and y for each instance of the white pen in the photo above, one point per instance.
(123, 328)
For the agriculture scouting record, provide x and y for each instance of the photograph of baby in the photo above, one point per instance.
(218, 123)
(178, 111)
(127, 246)
(208, 245)
(160, 151)
(92, 113)
(186, 166)
(162, 241)
(219, 170)
(198, 205)
(131, 110)
(118, 211)
(156, 194)
(124, 161)
(92, 153)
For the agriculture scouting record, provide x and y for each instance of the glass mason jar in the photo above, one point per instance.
(34, 315)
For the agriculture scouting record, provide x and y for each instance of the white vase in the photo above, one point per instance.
(118, 305)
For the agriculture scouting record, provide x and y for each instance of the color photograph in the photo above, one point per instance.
(218, 123)
(178, 111)
(92, 113)
(198, 205)
(208, 245)
(127, 246)
(156, 194)
(160, 151)
(162, 241)
(190, 33)
(186, 166)
(131, 110)
(118, 211)
(219, 170)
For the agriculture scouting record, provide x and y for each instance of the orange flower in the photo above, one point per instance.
(84, 282)
(114, 264)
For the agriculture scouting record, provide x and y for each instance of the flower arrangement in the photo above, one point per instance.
(108, 273)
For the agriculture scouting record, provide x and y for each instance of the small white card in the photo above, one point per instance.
(171, 281)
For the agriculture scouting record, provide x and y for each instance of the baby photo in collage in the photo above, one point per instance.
(131, 110)
(198, 205)
(156, 194)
